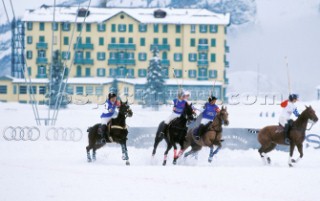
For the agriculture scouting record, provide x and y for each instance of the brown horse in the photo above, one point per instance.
(118, 132)
(270, 136)
(211, 137)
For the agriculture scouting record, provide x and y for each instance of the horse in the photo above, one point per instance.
(175, 133)
(118, 131)
(211, 137)
(270, 136)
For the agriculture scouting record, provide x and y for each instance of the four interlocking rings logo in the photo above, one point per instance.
(64, 134)
(21, 133)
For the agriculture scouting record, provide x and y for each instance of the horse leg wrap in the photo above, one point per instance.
(175, 153)
(89, 157)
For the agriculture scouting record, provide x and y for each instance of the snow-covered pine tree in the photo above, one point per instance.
(55, 80)
(155, 92)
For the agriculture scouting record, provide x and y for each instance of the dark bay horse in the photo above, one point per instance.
(175, 133)
(269, 136)
(118, 132)
(211, 137)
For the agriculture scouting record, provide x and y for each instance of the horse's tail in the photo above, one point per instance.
(254, 131)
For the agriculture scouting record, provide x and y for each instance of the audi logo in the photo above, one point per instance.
(21, 133)
(64, 134)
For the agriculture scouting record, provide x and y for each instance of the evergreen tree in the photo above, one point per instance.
(155, 92)
(55, 81)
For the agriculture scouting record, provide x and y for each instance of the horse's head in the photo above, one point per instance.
(188, 112)
(224, 116)
(124, 109)
(310, 114)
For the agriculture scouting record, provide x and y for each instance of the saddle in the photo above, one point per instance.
(280, 129)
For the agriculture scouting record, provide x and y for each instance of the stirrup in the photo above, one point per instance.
(110, 139)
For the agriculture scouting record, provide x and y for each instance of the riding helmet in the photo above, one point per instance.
(111, 95)
(211, 98)
(293, 97)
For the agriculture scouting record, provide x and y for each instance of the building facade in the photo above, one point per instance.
(101, 44)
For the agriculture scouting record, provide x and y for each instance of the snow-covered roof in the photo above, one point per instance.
(173, 82)
(33, 81)
(143, 15)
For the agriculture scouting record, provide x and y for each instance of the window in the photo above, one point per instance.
(130, 27)
(99, 90)
(113, 28)
(193, 28)
(88, 27)
(89, 90)
(164, 55)
(130, 40)
(42, 90)
(178, 42)
(41, 39)
(142, 56)
(29, 54)
(142, 72)
(122, 27)
(142, 42)
(126, 91)
(3, 89)
(112, 55)
(130, 73)
(156, 41)
(88, 72)
(88, 55)
(192, 42)
(213, 73)
(88, 40)
(178, 73)
(213, 28)
(42, 72)
(66, 40)
(69, 89)
(122, 40)
(79, 27)
(41, 26)
(55, 26)
(202, 73)
(142, 28)
(78, 71)
(101, 72)
(29, 39)
(164, 41)
(79, 90)
(29, 26)
(33, 90)
(192, 73)
(101, 27)
(155, 28)
(203, 28)
(213, 57)
(41, 54)
(213, 42)
(177, 57)
(65, 26)
(165, 28)
(14, 89)
(113, 40)
(29, 71)
(192, 57)
(112, 72)
(65, 55)
(101, 56)
(22, 89)
(101, 41)
(178, 28)
(203, 56)
(203, 41)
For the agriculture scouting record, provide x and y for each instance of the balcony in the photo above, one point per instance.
(203, 63)
(41, 76)
(164, 47)
(121, 62)
(226, 63)
(83, 61)
(42, 45)
(42, 60)
(121, 46)
(203, 47)
(165, 62)
(85, 46)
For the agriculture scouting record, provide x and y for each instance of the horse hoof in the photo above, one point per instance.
(268, 160)
(293, 161)
(210, 160)
(164, 163)
(174, 162)
(127, 163)
(89, 160)
(290, 165)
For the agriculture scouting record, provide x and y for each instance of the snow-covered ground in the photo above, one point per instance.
(58, 170)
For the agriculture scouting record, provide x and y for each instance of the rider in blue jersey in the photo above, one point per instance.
(208, 115)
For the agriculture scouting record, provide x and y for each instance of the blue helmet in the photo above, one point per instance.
(293, 97)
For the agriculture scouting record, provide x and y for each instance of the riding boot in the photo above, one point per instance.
(109, 136)
(101, 131)
(200, 131)
(164, 129)
(286, 134)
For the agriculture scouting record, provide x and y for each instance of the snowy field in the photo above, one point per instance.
(58, 170)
